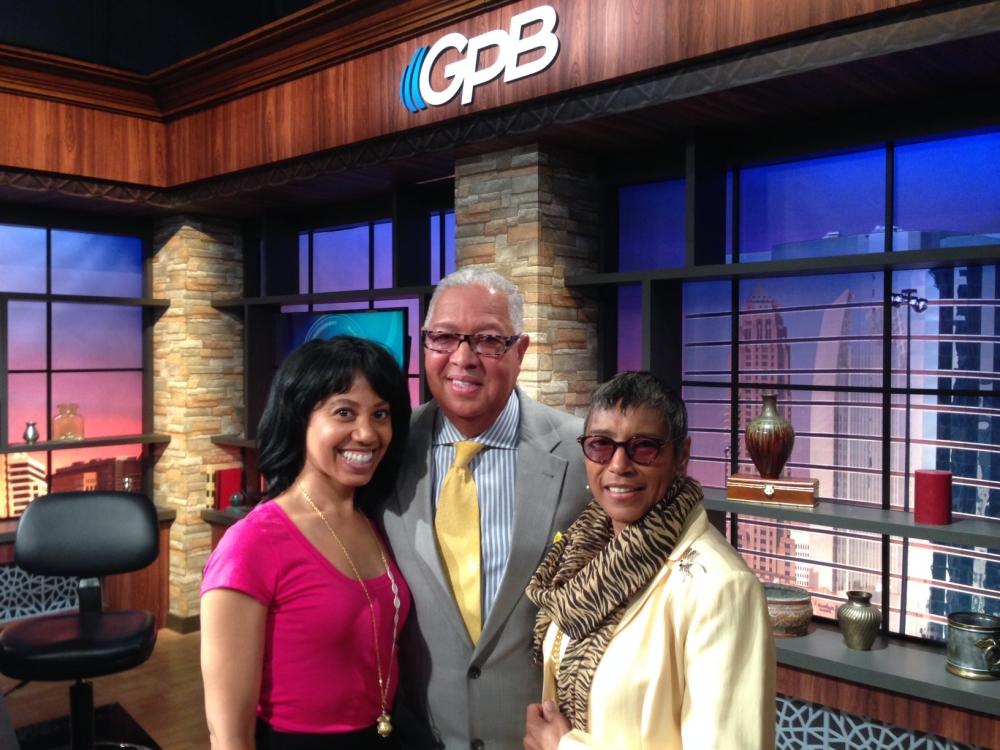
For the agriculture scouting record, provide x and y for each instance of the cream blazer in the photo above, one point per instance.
(691, 664)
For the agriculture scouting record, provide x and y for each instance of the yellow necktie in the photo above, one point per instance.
(457, 527)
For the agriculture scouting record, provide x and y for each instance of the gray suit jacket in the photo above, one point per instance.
(459, 693)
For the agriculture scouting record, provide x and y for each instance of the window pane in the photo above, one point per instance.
(630, 327)
(435, 238)
(26, 404)
(948, 192)
(831, 205)
(708, 426)
(412, 329)
(827, 562)
(414, 385)
(812, 330)
(383, 255)
(442, 229)
(103, 416)
(960, 434)
(22, 259)
(955, 343)
(26, 344)
(340, 259)
(90, 469)
(837, 440)
(651, 226)
(941, 579)
(25, 475)
(449, 242)
(99, 264)
(304, 263)
(707, 331)
(96, 336)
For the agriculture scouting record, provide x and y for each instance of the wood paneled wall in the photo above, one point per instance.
(265, 102)
(900, 710)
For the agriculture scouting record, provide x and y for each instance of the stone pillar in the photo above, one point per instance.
(533, 216)
(197, 386)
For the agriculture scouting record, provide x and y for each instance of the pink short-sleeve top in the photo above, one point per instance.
(319, 673)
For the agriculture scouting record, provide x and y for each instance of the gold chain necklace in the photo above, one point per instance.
(555, 655)
(384, 723)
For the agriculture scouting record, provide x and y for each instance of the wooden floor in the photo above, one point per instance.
(164, 695)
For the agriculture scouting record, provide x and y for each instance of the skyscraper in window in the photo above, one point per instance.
(22, 479)
(966, 429)
(765, 358)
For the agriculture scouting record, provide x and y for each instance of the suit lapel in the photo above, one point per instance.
(540, 476)
(414, 486)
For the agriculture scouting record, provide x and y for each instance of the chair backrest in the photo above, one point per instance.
(87, 534)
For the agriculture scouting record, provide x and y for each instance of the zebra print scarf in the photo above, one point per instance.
(588, 578)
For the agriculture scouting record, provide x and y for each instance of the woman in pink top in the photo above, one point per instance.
(301, 604)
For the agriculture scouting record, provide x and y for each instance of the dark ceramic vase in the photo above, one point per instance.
(859, 620)
(769, 439)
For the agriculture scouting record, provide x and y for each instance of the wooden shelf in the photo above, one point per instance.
(148, 438)
(86, 299)
(322, 298)
(834, 264)
(234, 441)
(967, 531)
(900, 666)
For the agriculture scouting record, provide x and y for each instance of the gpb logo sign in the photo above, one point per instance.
(464, 74)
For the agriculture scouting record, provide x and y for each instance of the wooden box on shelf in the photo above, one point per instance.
(751, 488)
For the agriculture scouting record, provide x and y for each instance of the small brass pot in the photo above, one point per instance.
(859, 620)
(973, 645)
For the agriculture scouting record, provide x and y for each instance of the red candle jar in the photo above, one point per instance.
(932, 496)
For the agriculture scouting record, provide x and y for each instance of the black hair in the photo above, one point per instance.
(636, 389)
(312, 373)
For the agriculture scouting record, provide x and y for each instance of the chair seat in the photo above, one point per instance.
(76, 646)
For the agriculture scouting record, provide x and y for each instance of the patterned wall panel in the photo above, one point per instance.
(809, 726)
(23, 594)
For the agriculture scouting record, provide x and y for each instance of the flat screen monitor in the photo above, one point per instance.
(386, 326)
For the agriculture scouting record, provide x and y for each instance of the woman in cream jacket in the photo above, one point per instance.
(653, 632)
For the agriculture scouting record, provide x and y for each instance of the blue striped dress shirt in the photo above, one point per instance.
(494, 468)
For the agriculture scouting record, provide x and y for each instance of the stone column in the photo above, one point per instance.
(533, 215)
(197, 386)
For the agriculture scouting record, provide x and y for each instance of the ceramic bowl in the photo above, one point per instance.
(790, 608)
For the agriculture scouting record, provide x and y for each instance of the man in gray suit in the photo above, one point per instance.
(459, 690)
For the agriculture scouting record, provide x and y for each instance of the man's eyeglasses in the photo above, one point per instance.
(600, 449)
(483, 344)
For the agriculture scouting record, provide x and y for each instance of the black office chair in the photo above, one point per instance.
(83, 535)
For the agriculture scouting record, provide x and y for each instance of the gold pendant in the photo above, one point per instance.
(384, 725)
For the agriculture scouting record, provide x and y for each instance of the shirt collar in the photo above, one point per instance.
(503, 433)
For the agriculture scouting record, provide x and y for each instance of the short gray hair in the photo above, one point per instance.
(494, 282)
(635, 390)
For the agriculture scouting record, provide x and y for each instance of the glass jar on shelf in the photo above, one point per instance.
(67, 424)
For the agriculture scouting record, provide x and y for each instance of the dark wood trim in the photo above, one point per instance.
(41, 75)
(683, 85)
(318, 37)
